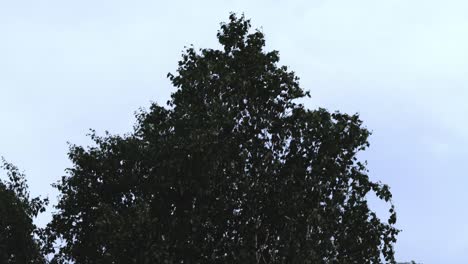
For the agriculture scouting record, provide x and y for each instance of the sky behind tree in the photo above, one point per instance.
(66, 67)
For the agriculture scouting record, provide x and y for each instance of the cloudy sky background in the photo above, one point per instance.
(67, 66)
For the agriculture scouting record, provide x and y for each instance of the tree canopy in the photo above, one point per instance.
(18, 235)
(232, 170)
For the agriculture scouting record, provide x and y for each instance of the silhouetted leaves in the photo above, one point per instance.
(18, 234)
(234, 170)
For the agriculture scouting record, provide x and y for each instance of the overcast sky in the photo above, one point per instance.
(67, 66)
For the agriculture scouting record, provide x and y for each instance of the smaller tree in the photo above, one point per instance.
(18, 233)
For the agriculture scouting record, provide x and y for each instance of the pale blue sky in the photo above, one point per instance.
(67, 66)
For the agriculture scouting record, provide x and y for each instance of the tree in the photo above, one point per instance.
(233, 170)
(18, 234)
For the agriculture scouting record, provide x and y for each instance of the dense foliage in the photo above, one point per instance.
(18, 234)
(232, 170)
